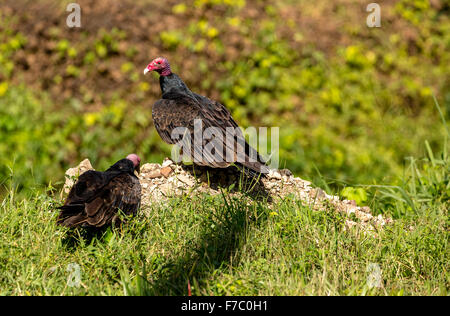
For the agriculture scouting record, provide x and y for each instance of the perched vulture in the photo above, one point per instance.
(182, 108)
(97, 197)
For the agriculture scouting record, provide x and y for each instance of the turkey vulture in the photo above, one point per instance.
(97, 197)
(182, 108)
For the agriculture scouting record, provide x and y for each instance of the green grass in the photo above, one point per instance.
(225, 246)
(352, 108)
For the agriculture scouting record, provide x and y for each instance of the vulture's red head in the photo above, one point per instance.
(160, 65)
(136, 161)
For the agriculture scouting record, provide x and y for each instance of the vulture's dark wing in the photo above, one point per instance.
(95, 200)
(181, 111)
(169, 114)
(87, 186)
(211, 106)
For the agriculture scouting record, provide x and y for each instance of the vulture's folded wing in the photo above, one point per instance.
(103, 202)
(181, 111)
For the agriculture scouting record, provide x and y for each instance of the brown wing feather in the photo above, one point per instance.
(181, 111)
(122, 192)
(170, 114)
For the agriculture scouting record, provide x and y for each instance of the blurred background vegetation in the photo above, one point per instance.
(352, 102)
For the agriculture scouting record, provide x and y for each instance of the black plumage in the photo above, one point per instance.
(97, 197)
(180, 107)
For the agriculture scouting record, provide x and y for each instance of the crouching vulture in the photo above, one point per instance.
(97, 198)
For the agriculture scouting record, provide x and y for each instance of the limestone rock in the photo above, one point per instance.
(167, 162)
(162, 181)
(166, 171)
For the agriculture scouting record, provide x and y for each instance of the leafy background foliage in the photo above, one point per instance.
(352, 102)
(355, 107)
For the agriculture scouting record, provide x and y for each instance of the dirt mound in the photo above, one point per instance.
(163, 181)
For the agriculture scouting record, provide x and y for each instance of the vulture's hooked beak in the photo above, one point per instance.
(150, 67)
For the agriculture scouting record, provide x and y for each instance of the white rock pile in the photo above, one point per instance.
(162, 181)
